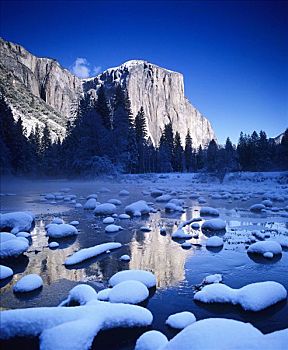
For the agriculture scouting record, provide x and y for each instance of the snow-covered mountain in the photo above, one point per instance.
(40, 90)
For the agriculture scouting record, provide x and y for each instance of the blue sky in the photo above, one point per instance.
(233, 54)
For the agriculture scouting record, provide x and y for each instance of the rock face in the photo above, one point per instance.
(161, 93)
(40, 91)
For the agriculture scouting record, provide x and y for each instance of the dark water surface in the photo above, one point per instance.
(177, 270)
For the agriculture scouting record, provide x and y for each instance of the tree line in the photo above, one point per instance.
(105, 138)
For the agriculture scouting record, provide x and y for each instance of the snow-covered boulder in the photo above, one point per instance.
(80, 294)
(181, 320)
(23, 234)
(164, 198)
(113, 228)
(74, 223)
(125, 257)
(156, 193)
(87, 253)
(129, 292)
(195, 226)
(221, 333)
(145, 277)
(257, 208)
(91, 204)
(72, 328)
(264, 247)
(151, 340)
(170, 207)
(53, 245)
(252, 297)
(28, 283)
(6, 236)
(105, 209)
(16, 221)
(124, 193)
(103, 294)
(13, 247)
(216, 278)
(61, 231)
(138, 208)
(114, 201)
(93, 195)
(214, 242)
(57, 221)
(124, 216)
(5, 272)
(214, 225)
(209, 211)
(181, 233)
(108, 220)
(267, 203)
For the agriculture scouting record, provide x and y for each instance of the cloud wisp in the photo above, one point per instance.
(81, 68)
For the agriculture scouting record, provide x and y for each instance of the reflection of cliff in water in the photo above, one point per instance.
(160, 255)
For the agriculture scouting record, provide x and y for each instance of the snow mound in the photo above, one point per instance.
(60, 231)
(252, 297)
(16, 221)
(28, 283)
(124, 193)
(263, 247)
(151, 340)
(72, 328)
(216, 278)
(6, 236)
(181, 320)
(181, 233)
(93, 195)
(104, 209)
(53, 245)
(164, 198)
(209, 211)
(115, 201)
(5, 272)
(91, 252)
(103, 294)
(13, 247)
(214, 242)
(23, 234)
(108, 220)
(81, 294)
(124, 216)
(125, 258)
(214, 225)
(257, 208)
(91, 204)
(113, 228)
(57, 221)
(74, 223)
(145, 277)
(138, 208)
(195, 225)
(129, 292)
(221, 333)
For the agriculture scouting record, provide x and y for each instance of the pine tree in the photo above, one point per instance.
(177, 153)
(200, 158)
(102, 108)
(188, 152)
(212, 155)
(141, 135)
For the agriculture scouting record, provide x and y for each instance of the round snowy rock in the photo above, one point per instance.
(145, 277)
(28, 283)
(124, 216)
(181, 320)
(5, 272)
(214, 242)
(60, 231)
(105, 209)
(13, 247)
(53, 245)
(129, 292)
(108, 220)
(151, 340)
(214, 225)
(23, 234)
(103, 294)
(90, 204)
(113, 228)
(263, 247)
(257, 208)
(57, 221)
(125, 258)
(124, 193)
(74, 223)
(209, 211)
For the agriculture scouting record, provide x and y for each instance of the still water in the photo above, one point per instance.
(177, 270)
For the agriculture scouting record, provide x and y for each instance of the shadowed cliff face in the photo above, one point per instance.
(40, 91)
